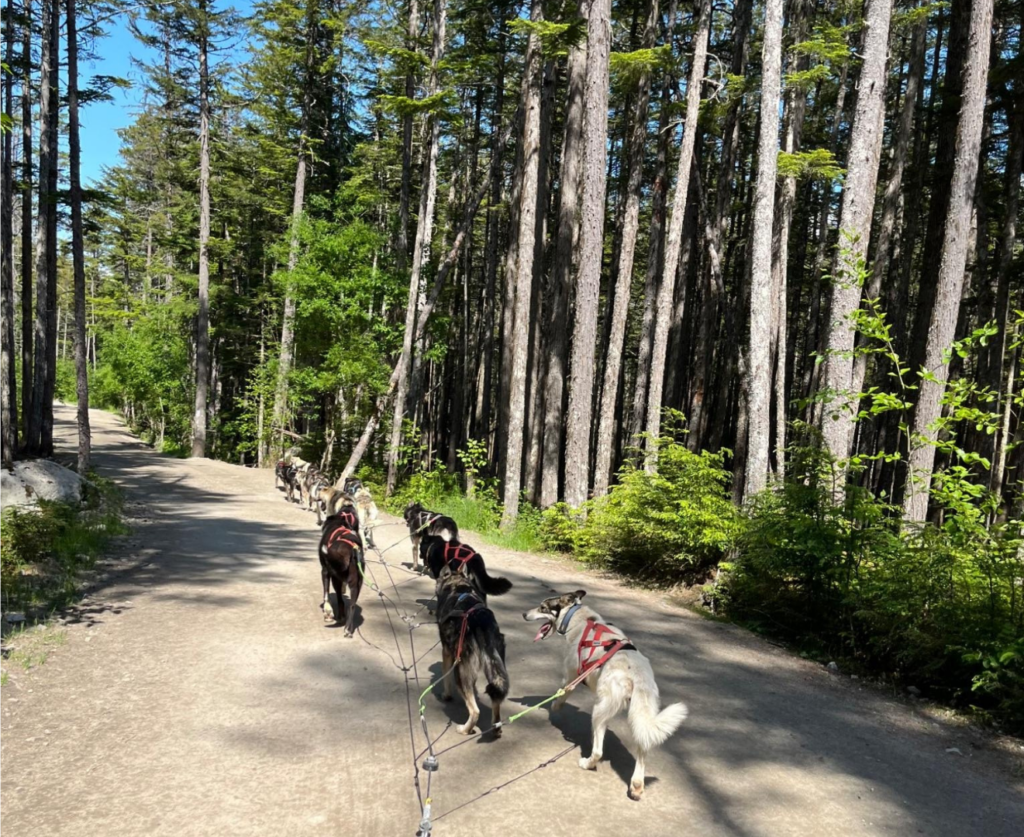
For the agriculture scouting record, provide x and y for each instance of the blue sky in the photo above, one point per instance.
(101, 120)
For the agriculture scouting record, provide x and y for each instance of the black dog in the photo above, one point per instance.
(437, 553)
(341, 562)
(422, 522)
(472, 643)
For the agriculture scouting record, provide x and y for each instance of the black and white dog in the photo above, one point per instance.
(438, 553)
(611, 666)
(423, 522)
(471, 643)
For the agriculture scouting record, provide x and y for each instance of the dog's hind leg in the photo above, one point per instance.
(467, 688)
(636, 784)
(604, 711)
(355, 584)
(325, 605)
(415, 552)
(339, 589)
(449, 675)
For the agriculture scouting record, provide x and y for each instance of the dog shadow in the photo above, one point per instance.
(575, 726)
(455, 710)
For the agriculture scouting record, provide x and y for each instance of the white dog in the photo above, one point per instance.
(601, 656)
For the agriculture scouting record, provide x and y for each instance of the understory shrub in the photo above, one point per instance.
(938, 607)
(44, 549)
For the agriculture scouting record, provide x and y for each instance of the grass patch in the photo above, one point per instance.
(29, 648)
(44, 550)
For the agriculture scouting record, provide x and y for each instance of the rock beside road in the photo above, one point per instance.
(39, 479)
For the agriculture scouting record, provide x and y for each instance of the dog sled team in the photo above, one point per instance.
(596, 652)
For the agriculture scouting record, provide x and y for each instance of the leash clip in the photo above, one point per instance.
(425, 824)
(430, 764)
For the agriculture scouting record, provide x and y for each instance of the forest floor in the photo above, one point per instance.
(196, 690)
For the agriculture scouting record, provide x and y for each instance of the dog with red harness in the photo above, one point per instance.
(472, 644)
(341, 564)
(438, 553)
(601, 655)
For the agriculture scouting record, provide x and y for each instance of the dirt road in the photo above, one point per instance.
(199, 692)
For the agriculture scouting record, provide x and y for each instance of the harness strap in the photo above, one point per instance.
(458, 552)
(462, 628)
(345, 536)
(592, 640)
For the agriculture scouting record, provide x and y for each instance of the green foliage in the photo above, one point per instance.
(932, 608)
(674, 525)
(44, 549)
(627, 67)
(556, 39)
(816, 164)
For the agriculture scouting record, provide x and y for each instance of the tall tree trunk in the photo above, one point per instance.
(199, 419)
(951, 268)
(588, 277)
(855, 229)
(8, 386)
(284, 365)
(402, 239)
(636, 142)
(759, 366)
(561, 277)
(421, 251)
(40, 435)
(78, 246)
(666, 290)
(524, 276)
(26, 219)
(792, 133)
(894, 186)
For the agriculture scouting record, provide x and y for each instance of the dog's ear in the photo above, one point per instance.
(579, 594)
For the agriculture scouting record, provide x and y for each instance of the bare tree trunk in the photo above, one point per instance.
(421, 251)
(199, 419)
(8, 385)
(40, 435)
(951, 269)
(588, 278)
(26, 220)
(284, 365)
(532, 82)
(78, 246)
(759, 366)
(637, 140)
(402, 241)
(894, 186)
(666, 290)
(855, 228)
(558, 316)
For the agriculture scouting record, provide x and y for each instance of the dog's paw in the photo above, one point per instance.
(589, 763)
(635, 792)
(328, 614)
(497, 733)
(349, 633)
(465, 729)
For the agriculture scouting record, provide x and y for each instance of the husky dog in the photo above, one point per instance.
(327, 497)
(625, 678)
(281, 474)
(367, 511)
(471, 643)
(308, 486)
(341, 562)
(424, 522)
(437, 553)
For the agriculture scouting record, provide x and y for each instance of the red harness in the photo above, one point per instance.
(465, 614)
(458, 552)
(345, 536)
(592, 640)
(349, 519)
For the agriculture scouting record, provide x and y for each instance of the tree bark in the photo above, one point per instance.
(199, 419)
(421, 251)
(666, 289)
(40, 435)
(855, 230)
(78, 246)
(402, 239)
(26, 220)
(8, 386)
(949, 288)
(532, 83)
(284, 365)
(759, 367)
(637, 140)
(588, 278)
(565, 245)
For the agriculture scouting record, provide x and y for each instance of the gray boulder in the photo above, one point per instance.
(39, 479)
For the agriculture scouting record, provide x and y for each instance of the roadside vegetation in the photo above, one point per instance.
(45, 550)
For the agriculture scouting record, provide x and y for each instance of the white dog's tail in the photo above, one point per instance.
(650, 727)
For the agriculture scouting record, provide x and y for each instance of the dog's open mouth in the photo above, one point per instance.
(545, 629)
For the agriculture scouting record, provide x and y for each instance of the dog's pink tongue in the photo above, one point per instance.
(543, 632)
